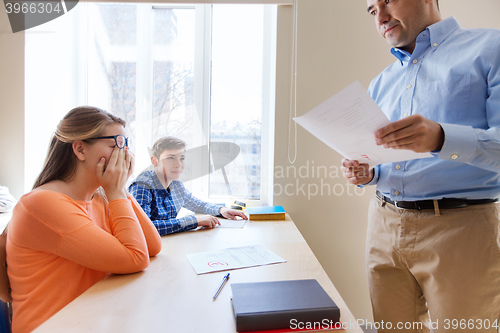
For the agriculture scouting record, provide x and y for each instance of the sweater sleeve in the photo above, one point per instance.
(56, 224)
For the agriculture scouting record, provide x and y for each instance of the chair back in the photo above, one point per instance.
(5, 326)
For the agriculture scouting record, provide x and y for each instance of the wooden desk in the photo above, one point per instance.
(170, 297)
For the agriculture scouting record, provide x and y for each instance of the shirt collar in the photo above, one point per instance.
(157, 185)
(402, 56)
(441, 30)
(435, 34)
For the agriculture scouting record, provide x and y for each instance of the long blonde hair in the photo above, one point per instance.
(81, 123)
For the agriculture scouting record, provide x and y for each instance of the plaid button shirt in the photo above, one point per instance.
(162, 205)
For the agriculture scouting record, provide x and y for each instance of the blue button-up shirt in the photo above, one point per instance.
(162, 205)
(453, 78)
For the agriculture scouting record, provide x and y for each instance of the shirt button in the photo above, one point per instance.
(405, 114)
(435, 44)
(396, 192)
(454, 156)
(408, 86)
(415, 61)
(398, 167)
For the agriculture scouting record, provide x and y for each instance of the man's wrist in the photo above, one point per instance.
(372, 171)
(373, 180)
(440, 140)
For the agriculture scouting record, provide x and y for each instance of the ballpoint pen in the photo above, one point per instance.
(224, 280)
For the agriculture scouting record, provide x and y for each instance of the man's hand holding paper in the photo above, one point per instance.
(350, 122)
(414, 132)
(355, 173)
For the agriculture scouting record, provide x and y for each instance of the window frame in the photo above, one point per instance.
(82, 31)
(202, 78)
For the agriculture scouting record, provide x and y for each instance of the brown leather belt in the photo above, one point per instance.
(445, 203)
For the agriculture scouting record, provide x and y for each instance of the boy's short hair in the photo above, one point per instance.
(167, 143)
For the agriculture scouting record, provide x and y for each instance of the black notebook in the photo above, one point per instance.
(281, 304)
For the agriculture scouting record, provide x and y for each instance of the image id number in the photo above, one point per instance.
(455, 324)
(33, 8)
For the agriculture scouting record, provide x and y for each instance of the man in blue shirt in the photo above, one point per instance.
(433, 244)
(161, 195)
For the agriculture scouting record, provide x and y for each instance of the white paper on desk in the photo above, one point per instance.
(225, 223)
(232, 258)
(347, 121)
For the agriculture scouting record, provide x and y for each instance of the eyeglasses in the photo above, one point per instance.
(120, 140)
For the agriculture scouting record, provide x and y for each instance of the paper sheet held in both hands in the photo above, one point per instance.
(232, 258)
(347, 122)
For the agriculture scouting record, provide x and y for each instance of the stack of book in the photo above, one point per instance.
(266, 213)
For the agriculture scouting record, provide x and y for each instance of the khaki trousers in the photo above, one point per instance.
(447, 266)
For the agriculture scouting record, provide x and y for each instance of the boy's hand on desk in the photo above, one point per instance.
(231, 214)
(207, 221)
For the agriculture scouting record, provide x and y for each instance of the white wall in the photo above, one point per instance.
(337, 44)
(11, 107)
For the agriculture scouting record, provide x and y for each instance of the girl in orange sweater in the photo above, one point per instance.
(67, 234)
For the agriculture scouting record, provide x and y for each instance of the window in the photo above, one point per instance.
(203, 73)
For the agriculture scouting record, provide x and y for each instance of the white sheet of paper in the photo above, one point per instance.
(232, 258)
(347, 121)
(225, 223)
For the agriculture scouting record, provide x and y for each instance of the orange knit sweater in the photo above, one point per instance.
(58, 247)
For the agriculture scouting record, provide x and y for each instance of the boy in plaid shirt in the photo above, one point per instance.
(161, 195)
